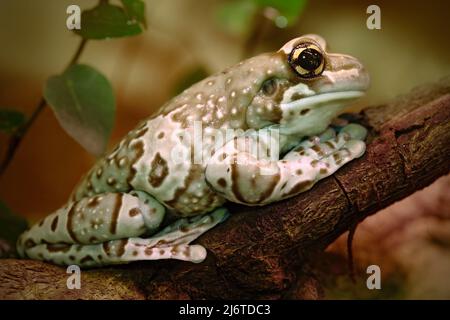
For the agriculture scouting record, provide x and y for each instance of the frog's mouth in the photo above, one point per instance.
(311, 114)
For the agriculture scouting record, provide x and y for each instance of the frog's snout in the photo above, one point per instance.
(344, 73)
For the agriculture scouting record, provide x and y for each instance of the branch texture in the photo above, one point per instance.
(262, 252)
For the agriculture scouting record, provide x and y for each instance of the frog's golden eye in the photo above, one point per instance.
(307, 60)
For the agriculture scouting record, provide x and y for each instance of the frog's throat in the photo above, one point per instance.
(318, 108)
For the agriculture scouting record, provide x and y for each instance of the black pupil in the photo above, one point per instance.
(309, 59)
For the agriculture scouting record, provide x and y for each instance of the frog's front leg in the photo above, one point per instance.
(241, 177)
(105, 229)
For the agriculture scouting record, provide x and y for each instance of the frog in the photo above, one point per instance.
(152, 196)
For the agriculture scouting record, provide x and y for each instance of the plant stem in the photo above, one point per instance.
(17, 136)
(259, 26)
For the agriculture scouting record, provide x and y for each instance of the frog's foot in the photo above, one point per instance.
(352, 131)
(252, 181)
(91, 221)
(171, 243)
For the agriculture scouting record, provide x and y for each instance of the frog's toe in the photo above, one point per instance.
(328, 134)
(197, 253)
(356, 148)
(351, 150)
(355, 131)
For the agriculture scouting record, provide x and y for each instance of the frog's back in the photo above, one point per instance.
(148, 158)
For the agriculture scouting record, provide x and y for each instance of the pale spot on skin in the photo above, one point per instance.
(233, 94)
(228, 81)
(199, 193)
(221, 99)
(122, 162)
(210, 104)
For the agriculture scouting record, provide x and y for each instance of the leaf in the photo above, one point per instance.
(191, 77)
(289, 10)
(83, 101)
(107, 21)
(236, 16)
(10, 120)
(135, 9)
(11, 225)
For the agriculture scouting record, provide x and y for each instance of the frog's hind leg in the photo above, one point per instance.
(90, 221)
(170, 243)
(173, 241)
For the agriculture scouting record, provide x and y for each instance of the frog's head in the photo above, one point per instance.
(309, 88)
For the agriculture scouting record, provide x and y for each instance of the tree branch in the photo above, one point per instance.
(258, 252)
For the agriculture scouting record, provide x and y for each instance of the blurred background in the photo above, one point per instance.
(186, 40)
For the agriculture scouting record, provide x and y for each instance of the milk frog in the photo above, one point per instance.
(283, 101)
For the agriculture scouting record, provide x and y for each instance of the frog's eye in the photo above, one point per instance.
(307, 60)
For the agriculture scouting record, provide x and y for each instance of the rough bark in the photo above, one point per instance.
(264, 252)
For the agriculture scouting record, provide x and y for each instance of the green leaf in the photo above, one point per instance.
(191, 77)
(236, 16)
(83, 101)
(11, 225)
(135, 9)
(107, 21)
(10, 120)
(288, 10)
